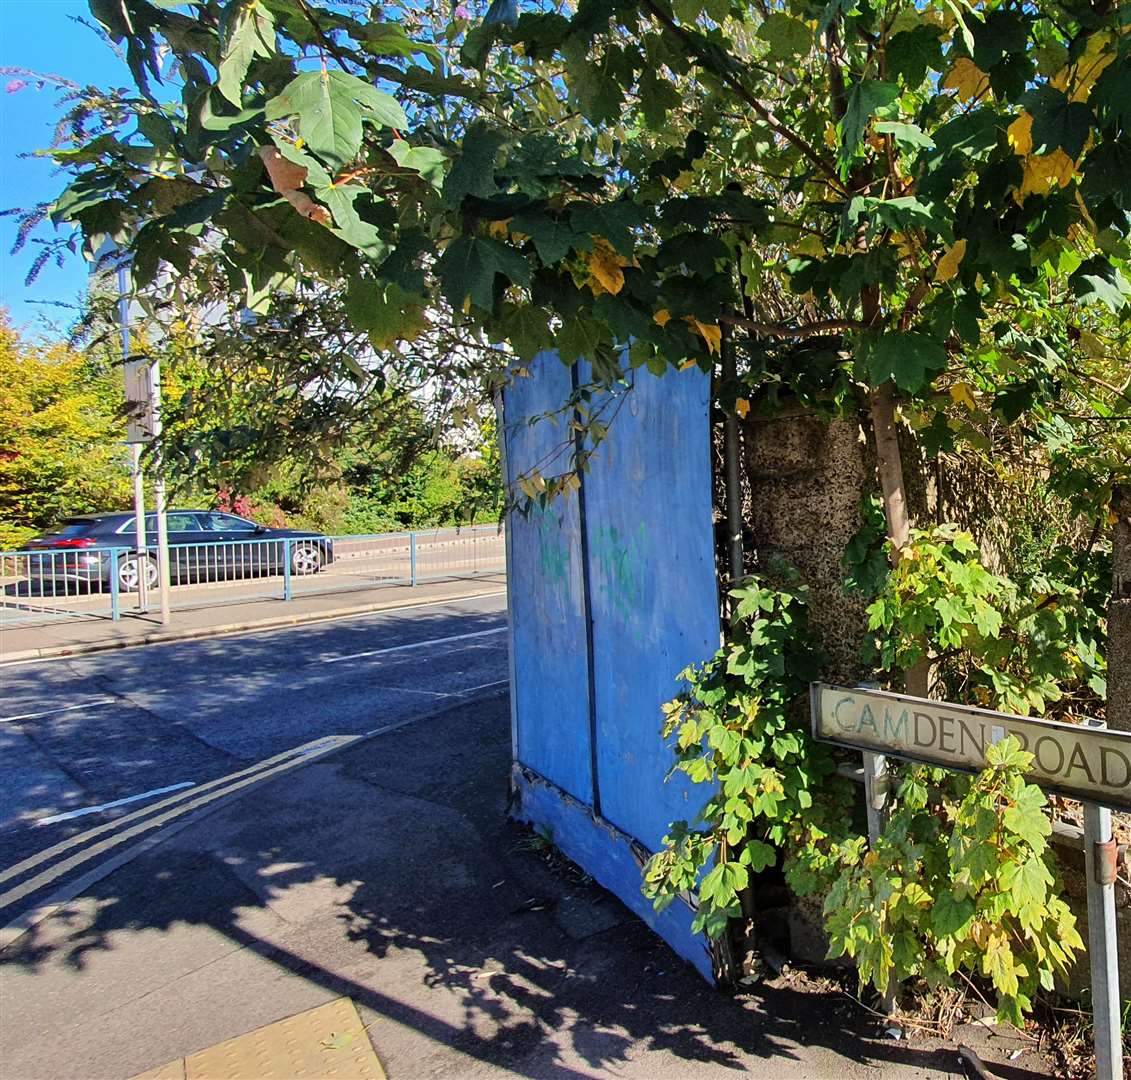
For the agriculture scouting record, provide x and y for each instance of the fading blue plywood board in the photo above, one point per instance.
(550, 695)
(607, 854)
(654, 592)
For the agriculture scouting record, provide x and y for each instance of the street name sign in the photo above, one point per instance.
(1090, 763)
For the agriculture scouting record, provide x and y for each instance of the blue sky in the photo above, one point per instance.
(41, 35)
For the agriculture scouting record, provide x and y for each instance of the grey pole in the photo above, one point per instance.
(159, 493)
(1099, 865)
(139, 528)
(135, 449)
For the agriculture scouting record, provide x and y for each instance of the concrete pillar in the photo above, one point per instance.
(807, 476)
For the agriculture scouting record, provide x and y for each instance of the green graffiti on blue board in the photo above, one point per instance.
(620, 568)
(553, 555)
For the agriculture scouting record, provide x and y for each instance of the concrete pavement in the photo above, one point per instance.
(387, 873)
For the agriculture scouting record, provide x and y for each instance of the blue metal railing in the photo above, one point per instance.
(101, 581)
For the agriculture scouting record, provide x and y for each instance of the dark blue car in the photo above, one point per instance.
(204, 545)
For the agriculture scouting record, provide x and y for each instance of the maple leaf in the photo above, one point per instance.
(286, 178)
(960, 393)
(951, 260)
(709, 332)
(967, 78)
(1020, 135)
(1041, 171)
(605, 273)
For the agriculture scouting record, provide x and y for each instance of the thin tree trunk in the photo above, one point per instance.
(890, 463)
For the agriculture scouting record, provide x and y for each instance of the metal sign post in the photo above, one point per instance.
(136, 435)
(143, 425)
(1100, 858)
(159, 493)
(1090, 763)
(139, 527)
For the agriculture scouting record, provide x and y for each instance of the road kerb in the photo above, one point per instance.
(275, 622)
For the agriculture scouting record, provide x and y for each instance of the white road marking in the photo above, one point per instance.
(406, 690)
(193, 801)
(52, 712)
(181, 811)
(412, 645)
(79, 839)
(482, 686)
(117, 802)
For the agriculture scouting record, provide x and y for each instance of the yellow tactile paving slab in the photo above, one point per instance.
(175, 1070)
(327, 1042)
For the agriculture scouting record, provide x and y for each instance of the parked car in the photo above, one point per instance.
(204, 545)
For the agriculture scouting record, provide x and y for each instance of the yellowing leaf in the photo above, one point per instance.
(967, 78)
(951, 260)
(662, 317)
(1042, 171)
(742, 407)
(1091, 65)
(605, 273)
(686, 364)
(1091, 344)
(961, 393)
(709, 332)
(1020, 135)
(286, 178)
(498, 229)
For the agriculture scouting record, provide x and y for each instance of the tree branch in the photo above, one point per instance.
(785, 330)
(728, 75)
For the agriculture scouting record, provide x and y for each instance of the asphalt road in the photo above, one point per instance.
(172, 723)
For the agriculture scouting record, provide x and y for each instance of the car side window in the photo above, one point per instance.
(173, 523)
(237, 524)
(226, 523)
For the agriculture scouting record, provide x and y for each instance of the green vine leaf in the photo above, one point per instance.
(329, 108)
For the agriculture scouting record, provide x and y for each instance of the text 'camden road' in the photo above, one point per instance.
(1081, 762)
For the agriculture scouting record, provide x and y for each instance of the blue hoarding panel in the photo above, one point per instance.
(547, 604)
(609, 856)
(654, 591)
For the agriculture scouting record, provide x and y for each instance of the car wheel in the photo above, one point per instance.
(306, 559)
(128, 573)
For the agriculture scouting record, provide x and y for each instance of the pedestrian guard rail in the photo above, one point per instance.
(103, 581)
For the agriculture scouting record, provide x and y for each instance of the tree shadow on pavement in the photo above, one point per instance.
(391, 875)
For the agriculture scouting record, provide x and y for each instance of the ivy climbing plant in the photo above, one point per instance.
(741, 726)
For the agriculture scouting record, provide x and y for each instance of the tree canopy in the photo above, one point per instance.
(61, 448)
(857, 195)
